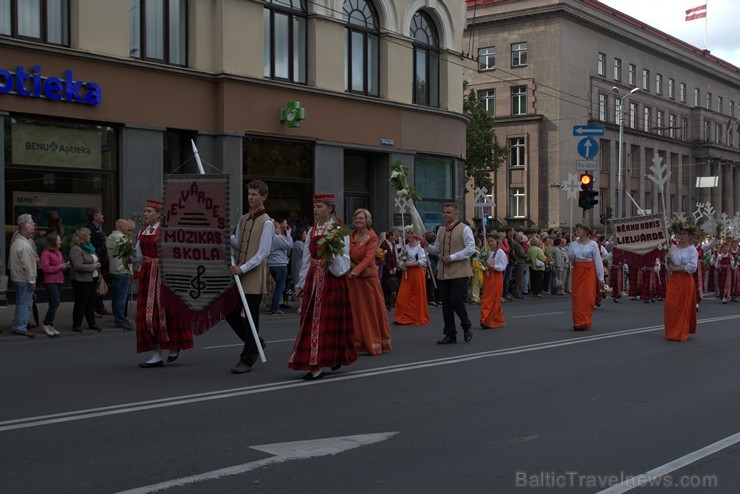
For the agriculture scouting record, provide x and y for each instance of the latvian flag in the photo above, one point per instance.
(696, 13)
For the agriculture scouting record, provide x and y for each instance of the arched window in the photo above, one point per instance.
(285, 40)
(361, 47)
(426, 60)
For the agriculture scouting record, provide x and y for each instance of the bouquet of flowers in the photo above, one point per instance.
(332, 244)
(380, 254)
(125, 251)
(400, 182)
(606, 289)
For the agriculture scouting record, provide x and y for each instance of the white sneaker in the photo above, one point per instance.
(56, 333)
(48, 330)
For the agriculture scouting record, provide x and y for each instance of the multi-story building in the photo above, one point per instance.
(99, 100)
(545, 66)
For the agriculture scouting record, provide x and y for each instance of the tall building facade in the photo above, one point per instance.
(100, 99)
(545, 66)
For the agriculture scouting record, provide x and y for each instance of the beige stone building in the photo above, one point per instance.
(99, 100)
(545, 66)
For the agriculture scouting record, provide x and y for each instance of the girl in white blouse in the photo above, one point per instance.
(588, 270)
(679, 313)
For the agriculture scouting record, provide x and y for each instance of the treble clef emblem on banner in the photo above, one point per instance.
(197, 284)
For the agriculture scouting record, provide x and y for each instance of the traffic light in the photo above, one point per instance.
(586, 198)
(602, 219)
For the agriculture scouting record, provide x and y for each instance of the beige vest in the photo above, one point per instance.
(451, 242)
(254, 281)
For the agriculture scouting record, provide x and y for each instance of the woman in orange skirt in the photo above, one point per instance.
(679, 312)
(491, 315)
(588, 269)
(411, 305)
(369, 316)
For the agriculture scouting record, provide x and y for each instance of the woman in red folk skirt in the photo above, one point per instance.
(588, 270)
(679, 312)
(326, 335)
(491, 315)
(156, 329)
(411, 305)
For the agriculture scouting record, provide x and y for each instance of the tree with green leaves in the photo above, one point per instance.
(484, 153)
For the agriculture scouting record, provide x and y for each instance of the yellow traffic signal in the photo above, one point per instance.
(586, 179)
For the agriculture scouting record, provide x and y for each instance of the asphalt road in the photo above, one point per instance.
(532, 407)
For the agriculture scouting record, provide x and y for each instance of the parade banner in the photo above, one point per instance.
(194, 253)
(641, 234)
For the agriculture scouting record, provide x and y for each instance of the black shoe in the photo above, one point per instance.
(147, 365)
(96, 328)
(483, 326)
(336, 367)
(447, 340)
(310, 377)
(77, 330)
(468, 336)
(577, 328)
(172, 358)
(125, 326)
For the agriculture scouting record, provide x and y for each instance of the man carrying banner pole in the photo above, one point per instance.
(252, 241)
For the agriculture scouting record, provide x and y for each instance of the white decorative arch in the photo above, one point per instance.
(387, 13)
(440, 13)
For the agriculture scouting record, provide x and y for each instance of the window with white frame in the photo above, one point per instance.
(682, 92)
(658, 84)
(732, 108)
(158, 30)
(618, 115)
(487, 58)
(671, 88)
(617, 69)
(603, 107)
(659, 124)
(684, 129)
(671, 125)
(44, 21)
(361, 47)
(646, 118)
(632, 74)
(517, 153)
(645, 80)
(706, 130)
(696, 96)
(518, 54)
(708, 104)
(519, 100)
(601, 64)
(516, 202)
(488, 98)
(633, 115)
(717, 133)
(720, 104)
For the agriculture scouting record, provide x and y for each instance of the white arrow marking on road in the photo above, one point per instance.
(297, 450)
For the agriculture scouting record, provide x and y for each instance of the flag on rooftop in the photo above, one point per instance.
(696, 13)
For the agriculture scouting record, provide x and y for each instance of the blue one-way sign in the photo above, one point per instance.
(588, 130)
(588, 148)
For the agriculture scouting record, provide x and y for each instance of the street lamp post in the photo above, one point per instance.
(620, 193)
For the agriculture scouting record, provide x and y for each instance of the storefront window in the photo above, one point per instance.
(62, 167)
(433, 180)
(287, 169)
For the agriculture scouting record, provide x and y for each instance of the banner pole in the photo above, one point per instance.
(236, 276)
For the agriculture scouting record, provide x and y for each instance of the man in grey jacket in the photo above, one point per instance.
(23, 266)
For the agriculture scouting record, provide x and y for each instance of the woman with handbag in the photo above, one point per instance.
(537, 262)
(84, 275)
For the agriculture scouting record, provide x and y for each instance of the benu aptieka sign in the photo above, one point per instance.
(640, 234)
(34, 85)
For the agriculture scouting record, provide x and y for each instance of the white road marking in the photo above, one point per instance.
(649, 478)
(536, 315)
(57, 418)
(214, 347)
(283, 452)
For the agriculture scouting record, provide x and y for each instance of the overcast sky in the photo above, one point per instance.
(723, 18)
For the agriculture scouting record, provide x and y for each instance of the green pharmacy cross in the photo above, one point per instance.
(293, 114)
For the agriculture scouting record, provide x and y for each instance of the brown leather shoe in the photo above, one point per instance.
(28, 333)
(241, 368)
(256, 355)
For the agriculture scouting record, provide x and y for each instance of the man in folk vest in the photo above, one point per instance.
(455, 244)
(252, 240)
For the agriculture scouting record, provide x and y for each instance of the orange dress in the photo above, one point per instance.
(411, 304)
(679, 311)
(491, 315)
(587, 270)
(369, 316)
